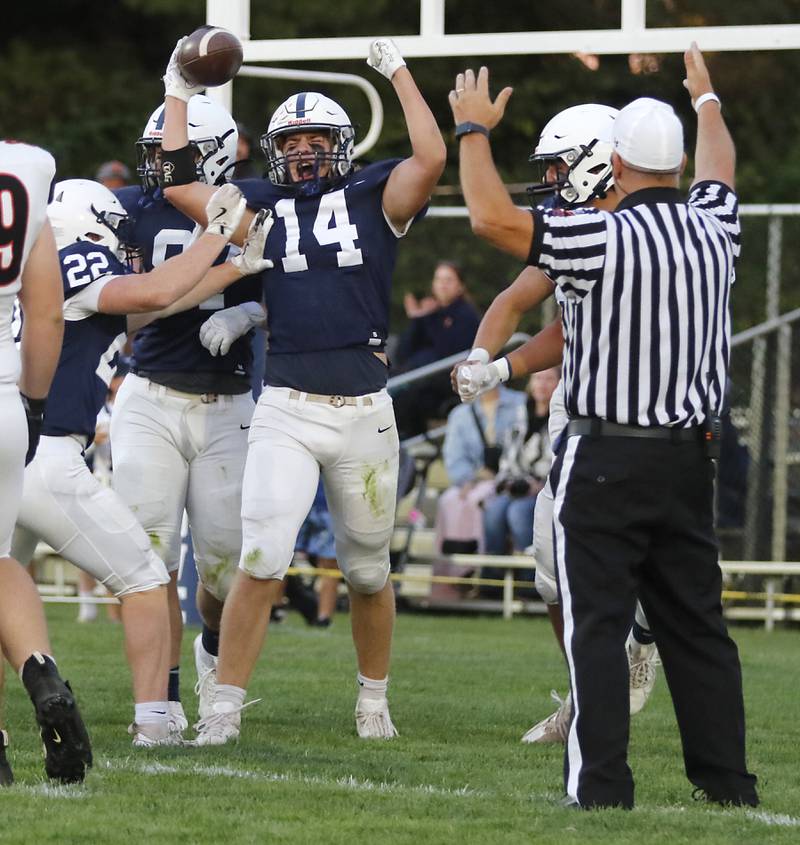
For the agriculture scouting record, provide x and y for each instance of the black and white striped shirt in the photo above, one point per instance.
(644, 293)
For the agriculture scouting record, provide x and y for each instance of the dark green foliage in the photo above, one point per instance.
(80, 77)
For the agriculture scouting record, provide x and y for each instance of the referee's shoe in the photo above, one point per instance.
(68, 752)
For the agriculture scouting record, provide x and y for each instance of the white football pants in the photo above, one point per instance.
(355, 447)
(83, 521)
(173, 451)
(13, 445)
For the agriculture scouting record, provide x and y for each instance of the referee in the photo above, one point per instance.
(645, 300)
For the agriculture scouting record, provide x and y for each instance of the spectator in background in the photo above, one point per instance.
(472, 457)
(113, 174)
(441, 324)
(246, 167)
(524, 464)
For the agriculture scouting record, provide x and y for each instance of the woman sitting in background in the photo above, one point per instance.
(440, 325)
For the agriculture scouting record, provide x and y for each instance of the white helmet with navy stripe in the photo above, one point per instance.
(306, 112)
(83, 210)
(582, 138)
(212, 133)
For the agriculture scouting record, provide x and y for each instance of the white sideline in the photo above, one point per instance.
(348, 782)
(358, 785)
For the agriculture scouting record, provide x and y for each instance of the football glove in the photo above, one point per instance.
(251, 259)
(175, 83)
(385, 57)
(475, 378)
(34, 414)
(220, 330)
(225, 210)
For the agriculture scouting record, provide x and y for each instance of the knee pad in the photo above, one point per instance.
(150, 575)
(216, 574)
(266, 552)
(364, 561)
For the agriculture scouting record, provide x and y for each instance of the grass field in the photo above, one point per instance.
(463, 691)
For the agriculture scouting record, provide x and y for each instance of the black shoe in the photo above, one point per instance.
(67, 749)
(6, 775)
(321, 622)
(302, 598)
(726, 800)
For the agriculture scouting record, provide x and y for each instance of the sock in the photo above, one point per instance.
(228, 698)
(210, 640)
(174, 686)
(369, 688)
(150, 712)
(642, 635)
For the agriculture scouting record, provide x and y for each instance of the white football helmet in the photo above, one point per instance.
(306, 112)
(83, 210)
(212, 134)
(582, 137)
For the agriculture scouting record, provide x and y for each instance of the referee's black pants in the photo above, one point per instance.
(634, 517)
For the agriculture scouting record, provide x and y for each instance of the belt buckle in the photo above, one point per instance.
(337, 401)
(208, 398)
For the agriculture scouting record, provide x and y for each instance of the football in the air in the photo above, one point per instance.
(210, 56)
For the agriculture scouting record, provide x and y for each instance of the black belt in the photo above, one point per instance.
(595, 427)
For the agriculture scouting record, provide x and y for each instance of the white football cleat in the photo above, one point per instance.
(221, 727)
(642, 662)
(373, 720)
(556, 726)
(206, 665)
(177, 720)
(153, 734)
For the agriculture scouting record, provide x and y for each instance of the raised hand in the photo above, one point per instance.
(175, 83)
(471, 103)
(698, 80)
(385, 57)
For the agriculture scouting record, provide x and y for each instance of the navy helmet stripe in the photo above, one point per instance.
(160, 119)
(301, 105)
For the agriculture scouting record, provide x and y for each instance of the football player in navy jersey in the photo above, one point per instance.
(179, 428)
(29, 272)
(574, 156)
(324, 408)
(63, 503)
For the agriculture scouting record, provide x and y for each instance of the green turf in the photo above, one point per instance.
(463, 691)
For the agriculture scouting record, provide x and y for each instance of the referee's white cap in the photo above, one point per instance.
(648, 135)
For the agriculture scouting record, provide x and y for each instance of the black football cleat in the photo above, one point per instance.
(67, 750)
(6, 775)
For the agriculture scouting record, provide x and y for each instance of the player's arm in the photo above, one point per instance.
(248, 262)
(42, 299)
(502, 318)
(715, 154)
(529, 289)
(174, 278)
(180, 185)
(543, 351)
(492, 213)
(411, 183)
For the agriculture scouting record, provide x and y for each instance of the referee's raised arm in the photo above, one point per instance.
(715, 155)
(492, 214)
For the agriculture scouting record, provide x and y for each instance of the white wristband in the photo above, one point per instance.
(706, 98)
(478, 354)
(503, 368)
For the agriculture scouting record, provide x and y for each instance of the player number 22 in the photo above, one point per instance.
(332, 208)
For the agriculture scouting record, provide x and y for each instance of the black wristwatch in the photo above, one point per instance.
(467, 128)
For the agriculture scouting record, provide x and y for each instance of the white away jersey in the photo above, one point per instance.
(26, 179)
